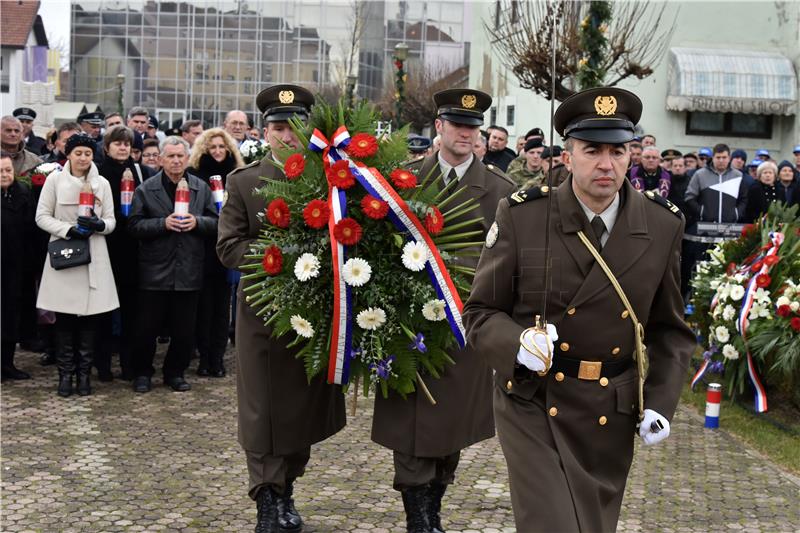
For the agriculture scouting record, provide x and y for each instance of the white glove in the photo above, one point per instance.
(544, 344)
(646, 432)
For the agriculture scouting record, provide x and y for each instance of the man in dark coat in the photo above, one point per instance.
(427, 439)
(497, 151)
(33, 143)
(567, 430)
(171, 256)
(281, 413)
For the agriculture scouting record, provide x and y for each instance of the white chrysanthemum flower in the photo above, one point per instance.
(729, 312)
(729, 352)
(306, 267)
(794, 306)
(783, 300)
(302, 326)
(371, 318)
(46, 168)
(356, 272)
(721, 334)
(737, 291)
(415, 255)
(433, 310)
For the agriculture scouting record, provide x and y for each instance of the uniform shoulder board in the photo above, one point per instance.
(663, 202)
(412, 162)
(251, 165)
(526, 195)
(500, 174)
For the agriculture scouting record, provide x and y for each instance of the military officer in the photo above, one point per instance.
(281, 414)
(427, 439)
(35, 144)
(567, 435)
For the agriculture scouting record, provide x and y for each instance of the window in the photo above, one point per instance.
(729, 125)
(493, 115)
(510, 115)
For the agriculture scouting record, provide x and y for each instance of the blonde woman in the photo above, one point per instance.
(763, 192)
(215, 153)
(79, 294)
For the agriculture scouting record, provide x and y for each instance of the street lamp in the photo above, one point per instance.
(352, 80)
(121, 86)
(400, 56)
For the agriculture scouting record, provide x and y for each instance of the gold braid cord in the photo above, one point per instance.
(638, 329)
(532, 348)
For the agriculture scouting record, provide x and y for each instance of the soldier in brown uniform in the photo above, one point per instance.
(568, 435)
(281, 414)
(427, 439)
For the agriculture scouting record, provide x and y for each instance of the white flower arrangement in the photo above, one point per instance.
(736, 292)
(356, 272)
(306, 267)
(371, 318)
(415, 256)
(433, 310)
(729, 352)
(302, 326)
(721, 334)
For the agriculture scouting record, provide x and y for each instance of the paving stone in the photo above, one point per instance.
(163, 461)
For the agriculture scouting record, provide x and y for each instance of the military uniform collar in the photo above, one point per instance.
(631, 210)
(460, 169)
(609, 215)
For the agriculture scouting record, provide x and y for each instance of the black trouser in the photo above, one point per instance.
(213, 314)
(177, 310)
(8, 347)
(128, 296)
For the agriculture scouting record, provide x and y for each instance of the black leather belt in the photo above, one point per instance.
(590, 370)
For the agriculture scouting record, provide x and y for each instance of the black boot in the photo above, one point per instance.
(415, 502)
(435, 494)
(85, 359)
(289, 519)
(217, 368)
(65, 360)
(203, 369)
(267, 505)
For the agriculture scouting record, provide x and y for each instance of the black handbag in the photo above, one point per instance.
(68, 253)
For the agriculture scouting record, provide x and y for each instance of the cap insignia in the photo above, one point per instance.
(605, 105)
(287, 97)
(469, 101)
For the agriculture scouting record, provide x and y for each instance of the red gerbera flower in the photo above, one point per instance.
(763, 281)
(294, 166)
(784, 310)
(339, 175)
(362, 145)
(756, 266)
(316, 214)
(273, 260)
(278, 213)
(374, 208)
(747, 229)
(771, 260)
(38, 179)
(434, 221)
(403, 179)
(795, 323)
(347, 231)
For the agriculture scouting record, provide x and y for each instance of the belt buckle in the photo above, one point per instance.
(590, 370)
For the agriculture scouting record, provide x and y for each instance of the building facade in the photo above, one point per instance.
(201, 59)
(729, 75)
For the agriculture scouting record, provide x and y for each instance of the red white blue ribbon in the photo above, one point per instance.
(742, 322)
(402, 216)
(700, 372)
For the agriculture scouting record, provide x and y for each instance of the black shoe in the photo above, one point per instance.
(142, 384)
(203, 371)
(12, 372)
(84, 385)
(178, 384)
(267, 518)
(65, 385)
(435, 494)
(218, 372)
(47, 359)
(415, 502)
(289, 519)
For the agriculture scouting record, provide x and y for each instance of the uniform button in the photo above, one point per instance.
(490, 167)
(602, 421)
(559, 376)
(564, 347)
(615, 351)
(604, 382)
(509, 385)
(553, 411)
(624, 314)
(571, 311)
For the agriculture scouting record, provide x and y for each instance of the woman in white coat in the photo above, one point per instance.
(79, 294)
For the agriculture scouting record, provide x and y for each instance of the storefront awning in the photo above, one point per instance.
(731, 81)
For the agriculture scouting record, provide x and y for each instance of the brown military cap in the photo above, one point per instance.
(279, 103)
(671, 153)
(462, 106)
(603, 114)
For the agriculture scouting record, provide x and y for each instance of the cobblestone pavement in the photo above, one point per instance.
(164, 461)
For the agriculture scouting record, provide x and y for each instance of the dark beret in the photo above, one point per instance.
(79, 139)
(530, 144)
